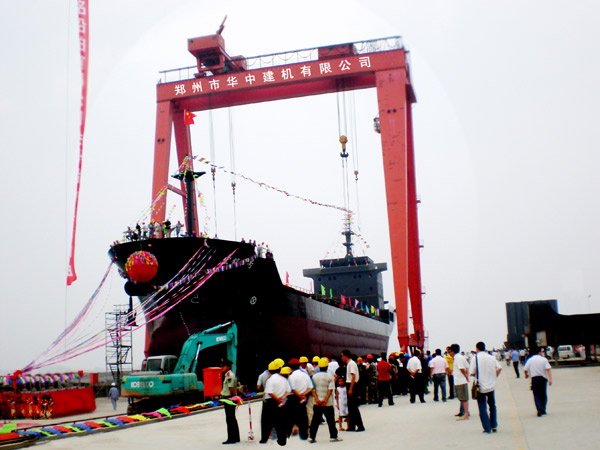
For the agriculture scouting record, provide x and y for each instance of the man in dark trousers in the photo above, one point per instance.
(384, 378)
(485, 370)
(416, 385)
(229, 390)
(538, 368)
(323, 395)
(514, 356)
(355, 422)
(301, 386)
(277, 389)
(438, 367)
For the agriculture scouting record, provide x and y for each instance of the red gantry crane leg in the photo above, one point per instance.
(394, 97)
(223, 81)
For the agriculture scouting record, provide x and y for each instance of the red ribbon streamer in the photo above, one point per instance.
(84, 45)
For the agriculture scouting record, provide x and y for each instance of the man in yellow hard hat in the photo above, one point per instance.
(305, 366)
(315, 363)
(323, 396)
(301, 386)
(277, 389)
(311, 401)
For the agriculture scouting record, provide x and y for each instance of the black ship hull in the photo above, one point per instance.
(273, 320)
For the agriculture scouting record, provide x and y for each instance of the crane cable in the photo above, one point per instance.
(342, 131)
(354, 132)
(213, 170)
(232, 162)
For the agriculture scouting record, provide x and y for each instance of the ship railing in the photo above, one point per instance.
(296, 56)
(338, 303)
(301, 289)
(127, 238)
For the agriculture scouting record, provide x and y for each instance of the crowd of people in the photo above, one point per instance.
(154, 230)
(301, 394)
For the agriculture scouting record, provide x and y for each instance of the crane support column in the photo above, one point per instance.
(398, 160)
(414, 258)
(162, 151)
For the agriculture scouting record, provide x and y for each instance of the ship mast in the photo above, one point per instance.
(188, 177)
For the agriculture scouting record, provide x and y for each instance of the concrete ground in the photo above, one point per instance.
(572, 421)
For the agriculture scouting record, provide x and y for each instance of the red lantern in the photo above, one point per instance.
(141, 266)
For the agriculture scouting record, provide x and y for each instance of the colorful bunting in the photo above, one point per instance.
(264, 185)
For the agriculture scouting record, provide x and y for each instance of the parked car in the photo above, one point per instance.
(565, 352)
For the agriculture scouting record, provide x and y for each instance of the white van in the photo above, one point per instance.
(565, 351)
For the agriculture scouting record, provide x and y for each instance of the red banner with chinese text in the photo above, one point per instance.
(83, 23)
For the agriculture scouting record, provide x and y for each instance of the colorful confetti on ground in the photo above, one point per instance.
(9, 433)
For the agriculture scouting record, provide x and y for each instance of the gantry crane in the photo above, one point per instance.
(223, 81)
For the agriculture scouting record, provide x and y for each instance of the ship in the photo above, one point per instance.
(274, 320)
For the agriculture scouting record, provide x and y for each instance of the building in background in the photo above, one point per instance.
(517, 320)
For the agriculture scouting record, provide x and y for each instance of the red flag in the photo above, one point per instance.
(287, 278)
(188, 117)
(84, 47)
(343, 299)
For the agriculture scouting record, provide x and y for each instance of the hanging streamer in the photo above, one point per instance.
(83, 22)
(189, 279)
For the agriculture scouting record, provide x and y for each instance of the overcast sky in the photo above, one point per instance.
(505, 143)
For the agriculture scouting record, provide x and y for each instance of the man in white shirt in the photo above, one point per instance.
(485, 368)
(307, 367)
(355, 422)
(538, 368)
(439, 367)
(301, 386)
(333, 366)
(460, 372)
(415, 381)
(323, 395)
(277, 389)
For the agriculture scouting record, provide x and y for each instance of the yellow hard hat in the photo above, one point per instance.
(286, 370)
(273, 365)
(279, 363)
(323, 362)
(303, 359)
(316, 359)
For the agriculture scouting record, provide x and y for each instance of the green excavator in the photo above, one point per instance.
(167, 380)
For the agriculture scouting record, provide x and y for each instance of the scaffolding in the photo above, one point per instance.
(119, 355)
